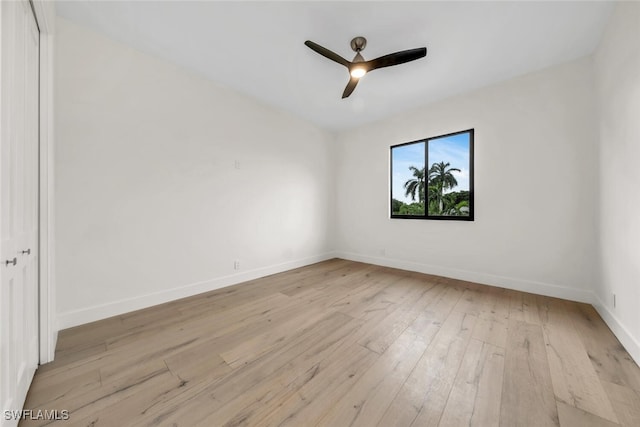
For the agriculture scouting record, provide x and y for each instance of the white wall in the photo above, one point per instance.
(150, 205)
(617, 77)
(535, 187)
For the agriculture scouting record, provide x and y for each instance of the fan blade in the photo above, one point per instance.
(327, 53)
(353, 81)
(396, 58)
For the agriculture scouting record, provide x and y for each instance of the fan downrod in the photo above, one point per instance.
(358, 43)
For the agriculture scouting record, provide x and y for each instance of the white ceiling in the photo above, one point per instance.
(257, 47)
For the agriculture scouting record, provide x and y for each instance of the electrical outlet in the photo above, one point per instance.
(237, 164)
(236, 265)
(383, 251)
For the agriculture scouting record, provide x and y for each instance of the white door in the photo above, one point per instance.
(19, 136)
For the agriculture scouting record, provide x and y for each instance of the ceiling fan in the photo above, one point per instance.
(359, 67)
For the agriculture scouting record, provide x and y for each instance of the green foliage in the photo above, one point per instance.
(458, 196)
(396, 205)
(412, 209)
(456, 204)
(438, 202)
(401, 208)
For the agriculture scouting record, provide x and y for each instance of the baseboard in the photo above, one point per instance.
(629, 342)
(471, 276)
(103, 311)
(51, 353)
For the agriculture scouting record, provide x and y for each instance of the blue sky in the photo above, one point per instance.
(453, 149)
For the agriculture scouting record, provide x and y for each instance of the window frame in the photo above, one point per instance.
(471, 216)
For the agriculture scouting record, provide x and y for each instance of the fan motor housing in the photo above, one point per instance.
(358, 43)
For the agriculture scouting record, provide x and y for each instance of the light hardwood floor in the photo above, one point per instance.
(341, 343)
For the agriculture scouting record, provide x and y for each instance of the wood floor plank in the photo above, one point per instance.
(339, 343)
(87, 404)
(492, 330)
(75, 356)
(493, 318)
(162, 344)
(255, 347)
(198, 363)
(524, 307)
(527, 392)
(193, 326)
(121, 412)
(439, 309)
(375, 297)
(202, 399)
(444, 377)
(570, 416)
(83, 336)
(309, 404)
(475, 397)
(255, 404)
(396, 323)
(424, 394)
(367, 401)
(497, 303)
(351, 274)
(608, 356)
(626, 403)
(472, 301)
(46, 390)
(575, 381)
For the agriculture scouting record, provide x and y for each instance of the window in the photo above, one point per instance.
(433, 178)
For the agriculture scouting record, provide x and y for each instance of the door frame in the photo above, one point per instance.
(48, 332)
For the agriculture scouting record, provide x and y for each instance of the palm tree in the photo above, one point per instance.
(416, 184)
(442, 179)
(432, 198)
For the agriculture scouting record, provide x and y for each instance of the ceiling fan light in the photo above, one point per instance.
(358, 72)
